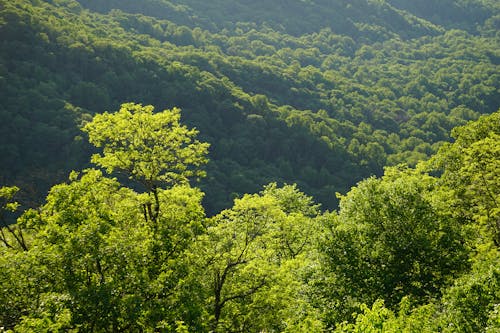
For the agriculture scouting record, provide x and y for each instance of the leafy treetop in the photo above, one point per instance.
(152, 148)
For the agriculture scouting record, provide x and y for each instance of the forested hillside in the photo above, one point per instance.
(250, 166)
(318, 93)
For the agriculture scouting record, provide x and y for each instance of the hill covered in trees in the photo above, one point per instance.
(318, 93)
(208, 141)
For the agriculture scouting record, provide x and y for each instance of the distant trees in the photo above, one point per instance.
(329, 88)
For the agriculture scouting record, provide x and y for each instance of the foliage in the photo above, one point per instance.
(93, 259)
(251, 261)
(96, 261)
(325, 100)
(319, 94)
(470, 305)
(11, 236)
(390, 241)
(470, 167)
(153, 149)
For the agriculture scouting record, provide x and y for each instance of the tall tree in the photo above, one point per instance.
(390, 240)
(151, 148)
(470, 167)
(251, 262)
(98, 262)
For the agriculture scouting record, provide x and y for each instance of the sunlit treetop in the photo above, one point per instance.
(151, 148)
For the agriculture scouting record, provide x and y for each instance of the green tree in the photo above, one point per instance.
(151, 148)
(470, 167)
(108, 268)
(95, 261)
(251, 262)
(390, 240)
(469, 305)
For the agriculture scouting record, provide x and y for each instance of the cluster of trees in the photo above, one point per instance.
(361, 19)
(128, 246)
(321, 94)
(317, 93)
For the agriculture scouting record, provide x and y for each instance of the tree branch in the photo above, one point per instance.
(249, 292)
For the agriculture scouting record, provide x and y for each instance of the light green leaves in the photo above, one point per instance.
(251, 262)
(97, 261)
(7, 195)
(152, 148)
(470, 170)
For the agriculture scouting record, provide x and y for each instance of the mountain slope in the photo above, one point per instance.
(312, 92)
(293, 17)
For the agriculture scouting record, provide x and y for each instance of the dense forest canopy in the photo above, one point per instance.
(318, 93)
(250, 166)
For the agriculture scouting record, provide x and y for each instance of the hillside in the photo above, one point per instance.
(318, 93)
(302, 166)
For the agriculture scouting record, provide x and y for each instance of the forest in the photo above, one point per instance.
(235, 166)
